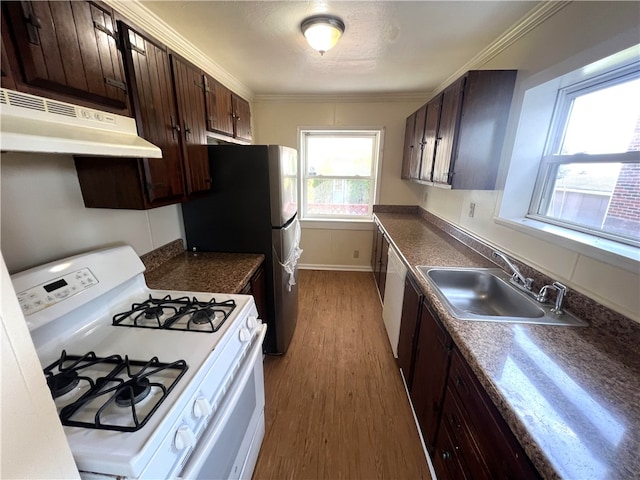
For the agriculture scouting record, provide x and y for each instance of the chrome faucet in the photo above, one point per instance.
(561, 291)
(517, 278)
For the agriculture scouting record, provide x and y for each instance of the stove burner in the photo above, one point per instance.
(153, 312)
(184, 313)
(63, 383)
(110, 383)
(206, 315)
(139, 388)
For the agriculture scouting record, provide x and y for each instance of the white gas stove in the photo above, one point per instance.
(147, 383)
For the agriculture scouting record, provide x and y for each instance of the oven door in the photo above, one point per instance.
(228, 448)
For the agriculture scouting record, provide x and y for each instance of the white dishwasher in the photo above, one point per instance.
(393, 298)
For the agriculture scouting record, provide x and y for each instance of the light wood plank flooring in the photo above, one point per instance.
(335, 403)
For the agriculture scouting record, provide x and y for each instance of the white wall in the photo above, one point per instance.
(580, 30)
(278, 122)
(44, 218)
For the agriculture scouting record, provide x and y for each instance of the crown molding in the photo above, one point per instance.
(532, 19)
(344, 97)
(153, 25)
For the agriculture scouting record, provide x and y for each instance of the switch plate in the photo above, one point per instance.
(472, 209)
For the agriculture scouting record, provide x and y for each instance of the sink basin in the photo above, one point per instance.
(486, 294)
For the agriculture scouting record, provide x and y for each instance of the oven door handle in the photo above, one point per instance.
(211, 434)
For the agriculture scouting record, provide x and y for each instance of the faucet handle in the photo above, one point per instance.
(561, 291)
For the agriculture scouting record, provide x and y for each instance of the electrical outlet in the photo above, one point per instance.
(356, 253)
(472, 209)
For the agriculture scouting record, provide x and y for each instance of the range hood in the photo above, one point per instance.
(35, 124)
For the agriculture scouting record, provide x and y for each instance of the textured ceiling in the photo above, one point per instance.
(388, 47)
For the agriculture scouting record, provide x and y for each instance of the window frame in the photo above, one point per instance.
(551, 160)
(306, 132)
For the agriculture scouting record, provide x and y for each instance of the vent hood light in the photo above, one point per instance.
(40, 125)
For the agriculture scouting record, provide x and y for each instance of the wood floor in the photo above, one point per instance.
(335, 403)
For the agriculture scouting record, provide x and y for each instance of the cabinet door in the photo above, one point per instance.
(418, 143)
(409, 325)
(431, 125)
(241, 118)
(430, 375)
(155, 110)
(375, 249)
(378, 236)
(259, 292)
(448, 463)
(189, 85)
(449, 120)
(407, 152)
(218, 107)
(6, 75)
(69, 48)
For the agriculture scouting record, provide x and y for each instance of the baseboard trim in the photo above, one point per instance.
(343, 268)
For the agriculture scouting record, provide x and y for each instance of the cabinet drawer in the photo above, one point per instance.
(499, 449)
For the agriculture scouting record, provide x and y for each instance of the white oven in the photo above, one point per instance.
(147, 383)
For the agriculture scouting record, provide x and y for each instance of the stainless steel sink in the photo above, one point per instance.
(485, 294)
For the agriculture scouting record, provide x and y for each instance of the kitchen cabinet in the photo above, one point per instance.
(463, 132)
(430, 368)
(379, 258)
(226, 112)
(168, 102)
(6, 74)
(189, 88)
(414, 142)
(409, 324)
(66, 50)
(463, 431)
(480, 440)
(257, 287)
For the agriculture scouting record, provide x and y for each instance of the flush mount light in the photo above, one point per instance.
(322, 31)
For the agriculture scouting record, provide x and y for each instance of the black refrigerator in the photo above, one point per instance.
(252, 208)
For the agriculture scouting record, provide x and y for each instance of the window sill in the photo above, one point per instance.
(623, 256)
(338, 224)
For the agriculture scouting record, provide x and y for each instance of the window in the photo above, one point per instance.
(589, 177)
(339, 173)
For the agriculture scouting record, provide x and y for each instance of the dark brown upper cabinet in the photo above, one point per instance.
(226, 112)
(66, 50)
(463, 132)
(412, 158)
(149, 182)
(190, 93)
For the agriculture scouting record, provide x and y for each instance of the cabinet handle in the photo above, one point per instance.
(174, 127)
(187, 130)
(453, 420)
(446, 455)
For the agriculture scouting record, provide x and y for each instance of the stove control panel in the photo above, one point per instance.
(55, 291)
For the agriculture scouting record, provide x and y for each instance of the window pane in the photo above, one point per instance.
(601, 196)
(340, 156)
(604, 121)
(338, 197)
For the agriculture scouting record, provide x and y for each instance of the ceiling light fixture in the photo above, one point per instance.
(322, 31)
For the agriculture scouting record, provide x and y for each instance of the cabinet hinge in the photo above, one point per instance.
(112, 34)
(138, 49)
(115, 83)
(32, 22)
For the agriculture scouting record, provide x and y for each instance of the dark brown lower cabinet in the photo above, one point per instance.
(258, 288)
(409, 325)
(465, 435)
(430, 374)
(484, 442)
(379, 258)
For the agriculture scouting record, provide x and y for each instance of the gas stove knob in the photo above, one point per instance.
(245, 335)
(252, 323)
(184, 438)
(201, 407)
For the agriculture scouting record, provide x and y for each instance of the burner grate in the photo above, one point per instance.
(137, 386)
(184, 313)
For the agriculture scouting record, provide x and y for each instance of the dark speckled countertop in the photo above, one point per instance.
(171, 268)
(571, 395)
